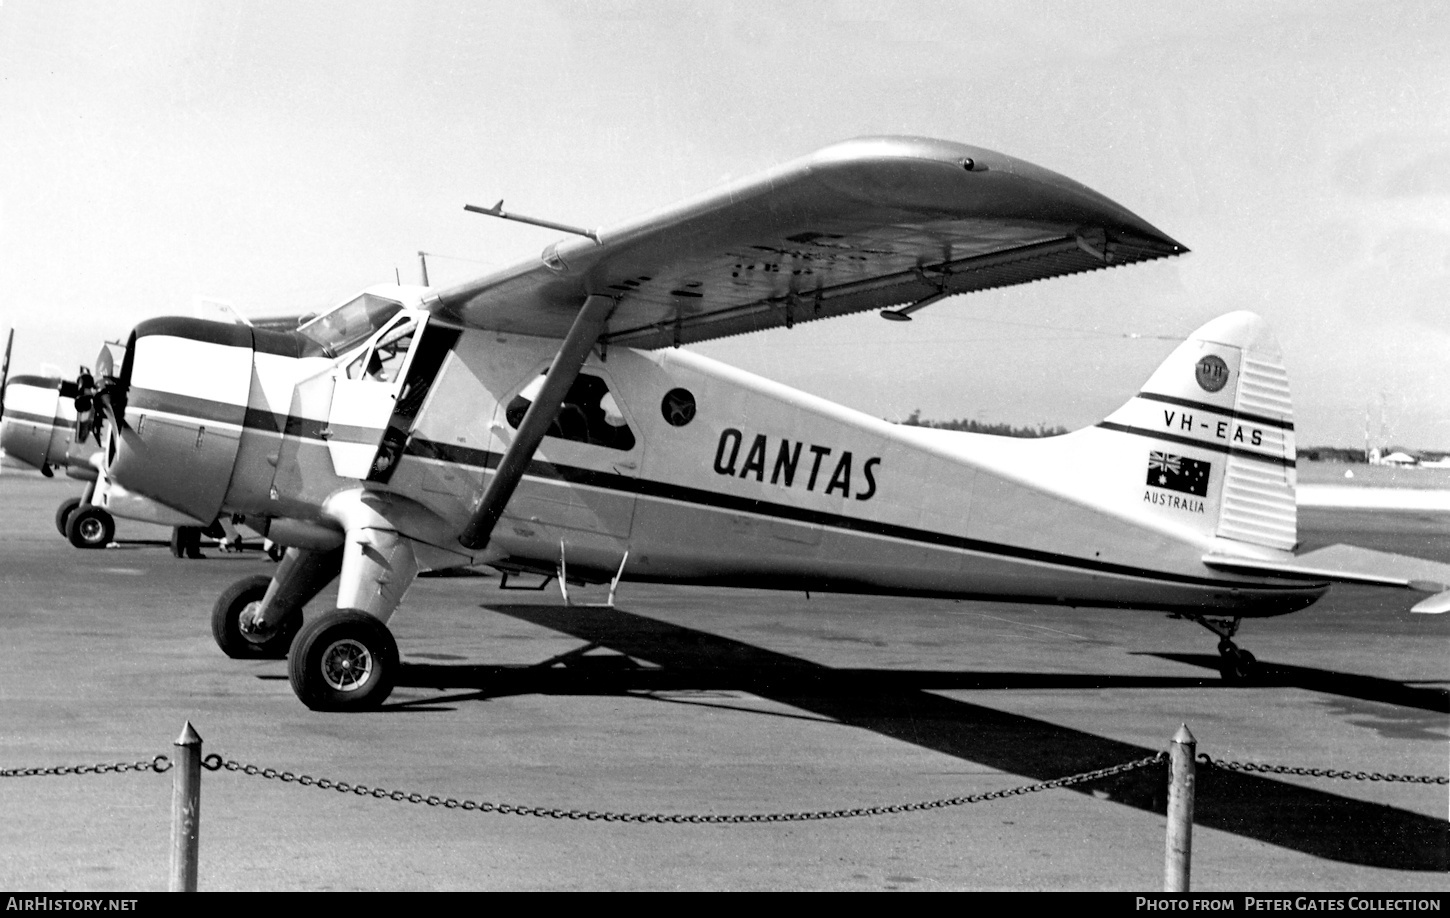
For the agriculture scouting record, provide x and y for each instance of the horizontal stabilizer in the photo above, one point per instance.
(1351, 564)
(1347, 497)
(1436, 604)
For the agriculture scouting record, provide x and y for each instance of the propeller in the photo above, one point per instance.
(104, 402)
(5, 368)
(85, 403)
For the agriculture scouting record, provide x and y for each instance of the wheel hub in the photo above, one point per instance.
(346, 665)
(249, 623)
(91, 529)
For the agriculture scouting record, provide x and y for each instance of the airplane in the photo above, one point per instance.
(41, 427)
(546, 418)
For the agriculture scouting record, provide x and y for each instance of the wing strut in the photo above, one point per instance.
(587, 327)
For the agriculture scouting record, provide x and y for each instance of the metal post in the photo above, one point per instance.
(1180, 811)
(185, 810)
(423, 266)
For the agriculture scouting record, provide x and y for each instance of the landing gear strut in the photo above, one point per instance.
(1235, 665)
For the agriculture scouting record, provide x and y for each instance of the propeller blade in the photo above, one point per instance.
(85, 404)
(5, 367)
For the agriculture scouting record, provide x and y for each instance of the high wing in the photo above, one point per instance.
(865, 224)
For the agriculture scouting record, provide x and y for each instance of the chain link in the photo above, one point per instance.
(160, 764)
(216, 763)
(157, 764)
(1205, 759)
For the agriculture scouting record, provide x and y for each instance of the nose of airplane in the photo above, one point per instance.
(33, 426)
(176, 408)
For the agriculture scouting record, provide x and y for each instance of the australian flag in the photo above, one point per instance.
(1189, 476)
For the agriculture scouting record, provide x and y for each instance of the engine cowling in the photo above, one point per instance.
(177, 411)
(37, 422)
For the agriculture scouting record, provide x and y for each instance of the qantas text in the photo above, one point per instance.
(793, 463)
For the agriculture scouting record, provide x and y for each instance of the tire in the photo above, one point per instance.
(226, 622)
(1238, 667)
(63, 512)
(343, 661)
(90, 527)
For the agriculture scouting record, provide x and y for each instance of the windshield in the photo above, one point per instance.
(349, 324)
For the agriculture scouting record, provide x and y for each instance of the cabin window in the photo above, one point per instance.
(589, 414)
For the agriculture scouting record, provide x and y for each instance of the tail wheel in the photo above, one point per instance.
(343, 661)
(234, 609)
(63, 512)
(90, 527)
(1236, 666)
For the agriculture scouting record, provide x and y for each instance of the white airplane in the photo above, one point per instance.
(545, 419)
(40, 426)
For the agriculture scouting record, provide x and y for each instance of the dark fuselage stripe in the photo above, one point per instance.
(13, 415)
(1197, 444)
(488, 460)
(483, 459)
(1261, 419)
(205, 410)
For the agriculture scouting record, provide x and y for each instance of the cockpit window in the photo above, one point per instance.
(384, 360)
(589, 414)
(348, 325)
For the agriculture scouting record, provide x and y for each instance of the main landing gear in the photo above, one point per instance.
(85, 525)
(1236, 666)
(341, 660)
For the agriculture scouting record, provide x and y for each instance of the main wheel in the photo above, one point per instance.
(90, 527)
(63, 512)
(343, 661)
(235, 606)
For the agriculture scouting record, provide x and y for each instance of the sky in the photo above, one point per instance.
(157, 156)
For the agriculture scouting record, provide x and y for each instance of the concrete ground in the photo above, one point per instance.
(709, 701)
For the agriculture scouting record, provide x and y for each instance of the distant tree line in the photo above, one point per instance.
(1332, 454)
(1356, 453)
(996, 430)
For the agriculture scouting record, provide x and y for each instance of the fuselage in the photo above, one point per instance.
(663, 464)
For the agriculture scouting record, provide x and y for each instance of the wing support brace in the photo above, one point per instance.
(1351, 564)
(588, 326)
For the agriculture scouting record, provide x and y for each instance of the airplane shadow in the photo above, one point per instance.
(902, 705)
(1329, 682)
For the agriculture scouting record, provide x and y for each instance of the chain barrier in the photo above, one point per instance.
(158, 764)
(1205, 759)
(215, 763)
(161, 764)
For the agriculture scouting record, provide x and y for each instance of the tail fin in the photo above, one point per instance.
(1215, 425)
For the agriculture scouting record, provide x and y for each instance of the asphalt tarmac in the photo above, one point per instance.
(685, 702)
